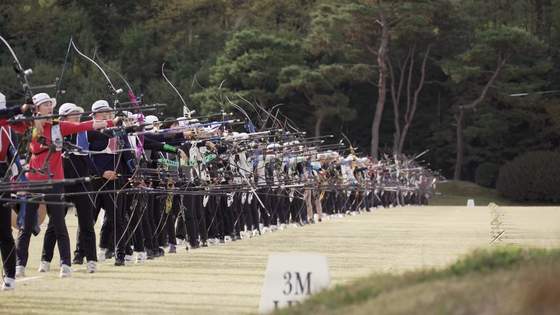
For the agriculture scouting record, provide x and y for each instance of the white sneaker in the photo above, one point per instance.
(282, 226)
(273, 228)
(315, 217)
(355, 213)
(181, 242)
(261, 226)
(213, 242)
(91, 267)
(227, 239)
(20, 271)
(128, 260)
(45, 266)
(101, 255)
(65, 271)
(265, 230)
(140, 258)
(256, 233)
(9, 284)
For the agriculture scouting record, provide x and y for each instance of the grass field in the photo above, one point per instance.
(501, 280)
(228, 279)
(457, 193)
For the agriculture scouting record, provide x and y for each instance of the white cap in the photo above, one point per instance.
(273, 146)
(69, 107)
(99, 105)
(41, 98)
(193, 121)
(150, 119)
(2, 101)
(182, 121)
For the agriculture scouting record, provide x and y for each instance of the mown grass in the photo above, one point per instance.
(457, 193)
(228, 279)
(507, 280)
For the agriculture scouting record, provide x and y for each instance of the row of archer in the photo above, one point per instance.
(193, 182)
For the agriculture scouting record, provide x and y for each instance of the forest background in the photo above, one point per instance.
(402, 76)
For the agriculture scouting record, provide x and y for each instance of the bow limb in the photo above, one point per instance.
(22, 79)
(186, 112)
(98, 66)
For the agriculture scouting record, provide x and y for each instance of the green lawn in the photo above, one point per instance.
(228, 279)
(457, 193)
(503, 281)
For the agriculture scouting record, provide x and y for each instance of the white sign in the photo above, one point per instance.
(470, 203)
(291, 279)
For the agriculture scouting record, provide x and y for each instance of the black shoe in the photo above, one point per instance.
(78, 260)
(305, 223)
(192, 246)
(119, 261)
(311, 221)
(160, 252)
(109, 254)
(150, 254)
(233, 238)
(172, 249)
(204, 244)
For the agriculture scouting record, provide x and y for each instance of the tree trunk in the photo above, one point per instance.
(382, 87)
(318, 125)
(410, 116)
(547, 18)
(396, 96)
(473, 105)
(459, 160)
(539, 12)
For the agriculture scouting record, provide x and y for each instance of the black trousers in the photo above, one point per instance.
(56, 223)
(226, 207)
(171, 219)
(146, 226)
(7, 243)
(190, 224)
(112, 230)
(199, 213)
(210, 215)
(160, 217)
(85, 236)
(49, 242)
(149, 223)
(247, 213)
(135, 207)
(272, 204)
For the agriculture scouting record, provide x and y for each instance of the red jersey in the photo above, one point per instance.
(40, 152)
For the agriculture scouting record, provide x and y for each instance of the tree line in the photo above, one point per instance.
(397, 76)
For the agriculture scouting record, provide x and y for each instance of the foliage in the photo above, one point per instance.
(532, 177)
(273, 52)
(487, 174)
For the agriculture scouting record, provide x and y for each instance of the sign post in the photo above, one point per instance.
(290, 279)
